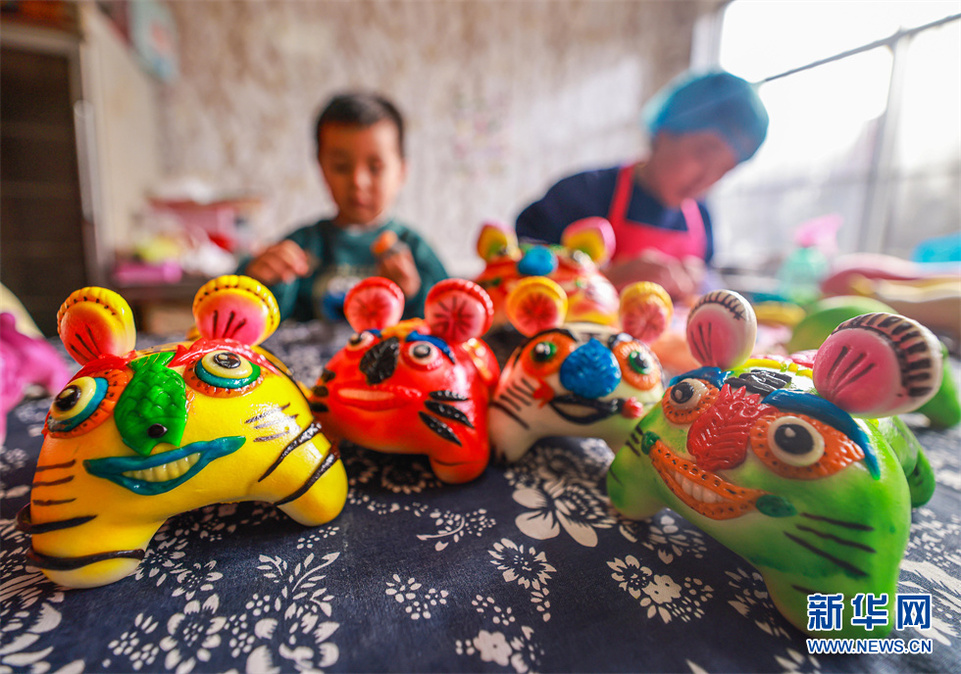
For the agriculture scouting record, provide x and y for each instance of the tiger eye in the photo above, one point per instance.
(227, 360)
(68, 398)
(543, 351)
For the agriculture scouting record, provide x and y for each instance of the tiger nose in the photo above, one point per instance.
(537, 261)
(591, 371)
(380, 360)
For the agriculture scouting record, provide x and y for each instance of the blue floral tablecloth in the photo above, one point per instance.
(526, 569)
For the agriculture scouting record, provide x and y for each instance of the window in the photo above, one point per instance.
(865, 107)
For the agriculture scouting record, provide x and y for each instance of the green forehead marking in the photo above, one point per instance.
(153, 406)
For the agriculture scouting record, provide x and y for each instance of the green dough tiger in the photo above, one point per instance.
(765, 455)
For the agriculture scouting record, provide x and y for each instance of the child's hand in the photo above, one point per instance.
(399, 267)
(280, 263)
(680, 278)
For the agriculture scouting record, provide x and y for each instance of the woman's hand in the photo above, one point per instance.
(680, 278)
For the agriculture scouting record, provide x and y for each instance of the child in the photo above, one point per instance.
(701, 127)
(360, 148)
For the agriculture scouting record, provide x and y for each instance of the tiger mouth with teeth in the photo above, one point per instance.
(702, 491)
(162, 472)
(584, 411)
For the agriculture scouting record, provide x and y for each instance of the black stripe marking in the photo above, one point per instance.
(53, 466)
(506, 411)
(840, 523)
(266, 414)
(448, 396)
(51, 483)
(850, 568)
(303, 437)
(448, 412)
(72, 563)
(230, 320)
(239, 327)
(26, 525)
(325, 465)
(440, 428)
(836, 539)
(52, 502)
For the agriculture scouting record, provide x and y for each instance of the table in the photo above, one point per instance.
(525, 569)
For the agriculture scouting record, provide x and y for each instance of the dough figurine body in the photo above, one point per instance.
(767, 457)
(419, 386)
(136, 437)
(576, 378)
(586, 246)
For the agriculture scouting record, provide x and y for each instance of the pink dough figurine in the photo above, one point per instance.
(25, 360)
(586, 246)
(575, 377)
(419, 386)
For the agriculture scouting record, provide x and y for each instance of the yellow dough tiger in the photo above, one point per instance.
(139, 436)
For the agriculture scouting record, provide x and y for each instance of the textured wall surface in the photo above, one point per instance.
(501, 98)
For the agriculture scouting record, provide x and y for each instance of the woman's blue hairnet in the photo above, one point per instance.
(716, 101)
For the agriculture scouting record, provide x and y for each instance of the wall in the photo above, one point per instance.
(501, 98)
(125, 160)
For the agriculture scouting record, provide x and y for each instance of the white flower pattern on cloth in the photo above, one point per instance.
(416, 604)
(794, 662)
(28, 609)
(660, 594)
(663, 535)
(192, 635)
(753, 601)
(452, 527)
(296, 616)
(930, 536)
(528, 568)
(132, 645)
(504, 642)
(572, 506)
(241, 588)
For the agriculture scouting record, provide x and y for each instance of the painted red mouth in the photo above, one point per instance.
(375, 398)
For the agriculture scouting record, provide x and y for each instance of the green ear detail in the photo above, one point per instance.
(153, 407)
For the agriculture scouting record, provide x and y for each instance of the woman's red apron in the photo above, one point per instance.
(635, 237)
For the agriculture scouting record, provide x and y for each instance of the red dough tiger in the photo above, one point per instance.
(419, 386)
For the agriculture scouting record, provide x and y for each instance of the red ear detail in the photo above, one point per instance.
(95, 322)
(594, 236)
(458, 310)
(721, 329)
(236, 307)
(535, 304)
(497, 239)
(646, 311)
(879, 365)
(374, 304)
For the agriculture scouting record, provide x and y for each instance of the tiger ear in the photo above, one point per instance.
(374, 304)
(495, 240)
(721, 329)
(594, 236)
(646, 311)
(458, 310)
(536, 304)
(94, 322)
(236, 307)
(879, 365)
